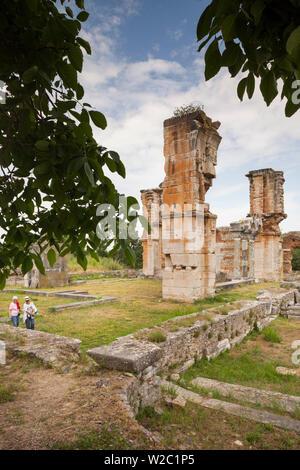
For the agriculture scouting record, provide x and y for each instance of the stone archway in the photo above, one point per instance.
(291, 241)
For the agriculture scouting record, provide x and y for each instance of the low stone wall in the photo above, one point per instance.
(206, 337)
(54, 350)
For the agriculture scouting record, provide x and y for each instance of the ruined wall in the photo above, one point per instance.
(204, 337)
(267, 202)
(235, 249)
(181, 245)
(56, 276)
(291, 241)
(188, 227)
(252, 248)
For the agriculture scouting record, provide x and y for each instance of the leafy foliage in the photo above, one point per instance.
(53, 172)
(260, 38)
(296, 260)
(187, 109)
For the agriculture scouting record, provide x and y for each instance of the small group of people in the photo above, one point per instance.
(29, 312)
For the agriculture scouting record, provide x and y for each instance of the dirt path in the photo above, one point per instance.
(48, 407)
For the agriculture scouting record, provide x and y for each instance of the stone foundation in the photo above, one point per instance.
(178, 351)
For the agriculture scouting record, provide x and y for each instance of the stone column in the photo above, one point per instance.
(267, 202)
(188, 227)
(152, 242)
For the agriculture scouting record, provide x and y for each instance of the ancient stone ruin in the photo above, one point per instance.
(181, 246)
(56, 276)
(252, 247)
(291, 241)
(184, 248)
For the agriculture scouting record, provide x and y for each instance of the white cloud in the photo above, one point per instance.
(137, 96)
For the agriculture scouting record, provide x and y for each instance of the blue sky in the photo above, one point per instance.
(145, 64)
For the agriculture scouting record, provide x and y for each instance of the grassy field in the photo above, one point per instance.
(195, 427)
(139, 306)
(253, 363)
(104, 264)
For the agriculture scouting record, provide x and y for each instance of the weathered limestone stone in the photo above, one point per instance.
(252, 248)
(48, 348)
(267, 202)
(291, 241)
(181, 245)
(249, 394)
(179, 402)
(126, 354)
(56, 276)
(153, 258)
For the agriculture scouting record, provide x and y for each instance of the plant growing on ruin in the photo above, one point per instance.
(259, 38)
(188, 109)
(157, 336)
(53, 171)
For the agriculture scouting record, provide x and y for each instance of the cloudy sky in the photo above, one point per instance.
(144, 64)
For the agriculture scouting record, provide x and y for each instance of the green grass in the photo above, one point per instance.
(157, 336)
(106, 437)
(271, 334)
(7, 393)
(139, 306)
(249, 368)
(104, 264)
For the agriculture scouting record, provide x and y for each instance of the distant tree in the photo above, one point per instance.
(258, 37)
(52, 170)
(296, 260)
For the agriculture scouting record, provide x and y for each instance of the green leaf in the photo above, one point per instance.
(51, 256)
(291, 108)
(89, 173)
(80, 3)
(228, 28)
(293, 41)
(212, 60)
(231, 54)
(42, 145)
(204, 22)
(98, 119)
(79, 92)
(82, 260)
(68, 74)
(83, 16)
(39, 263)
(30, 74)
(2, 280)
(75, 165)
(268, 87)
(257, 10)
(85, 45)
(242, 88)
(76, 57)
(69, 12)
(250, 85)
(27, 265)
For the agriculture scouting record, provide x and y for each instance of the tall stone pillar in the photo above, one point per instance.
(267, 202)
(153, 260)
(188, 227)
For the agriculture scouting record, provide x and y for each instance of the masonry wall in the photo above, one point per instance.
(291, 241)
(203, 338)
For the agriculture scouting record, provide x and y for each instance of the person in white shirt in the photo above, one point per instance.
(29, 313)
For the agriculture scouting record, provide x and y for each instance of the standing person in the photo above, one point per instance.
(29, 312)
(14, 311)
